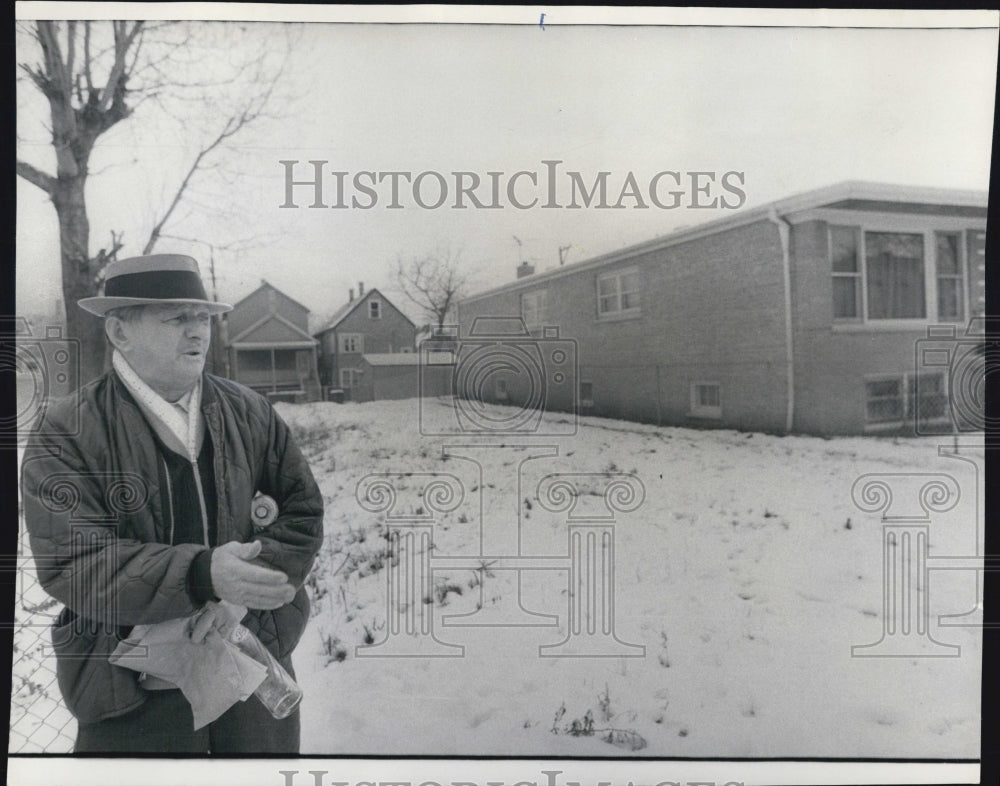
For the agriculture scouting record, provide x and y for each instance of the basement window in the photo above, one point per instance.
(893, 401)
(706, 399)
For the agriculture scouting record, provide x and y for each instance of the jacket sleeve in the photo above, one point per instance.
(291, 542)
(72, 506)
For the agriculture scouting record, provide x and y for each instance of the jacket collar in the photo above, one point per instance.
(209, 394)
(209, 404)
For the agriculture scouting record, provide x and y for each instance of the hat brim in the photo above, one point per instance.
(100, 306)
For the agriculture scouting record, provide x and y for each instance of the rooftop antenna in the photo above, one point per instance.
(563, 253)
(520, 249)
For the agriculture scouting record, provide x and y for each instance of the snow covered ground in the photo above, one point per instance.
(746, 574)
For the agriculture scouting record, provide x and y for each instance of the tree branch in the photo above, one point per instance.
(86, 59)
(432, 283)
(233, 125)
(36, 177)
(70, 56)
(123, 41)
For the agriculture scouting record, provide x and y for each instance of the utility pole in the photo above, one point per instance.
(211, 267)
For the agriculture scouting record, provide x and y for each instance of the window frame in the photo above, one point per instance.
(929, 229)
(344, 338)
(352, 376)
(699, 410)
(377, 305)
(907, 387)
(619, 312)
(860, 287)
(962, 276)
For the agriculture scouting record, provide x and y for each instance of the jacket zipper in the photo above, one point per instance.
(201, 502)
(170, 497)
(223, 532)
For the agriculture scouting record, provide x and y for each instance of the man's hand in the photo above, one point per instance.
(239, 581)
(222, 617)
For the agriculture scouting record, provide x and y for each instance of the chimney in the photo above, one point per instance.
(350, 295)
(361, 289)
(524, 269)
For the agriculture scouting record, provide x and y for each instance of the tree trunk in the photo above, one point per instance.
(78, 278)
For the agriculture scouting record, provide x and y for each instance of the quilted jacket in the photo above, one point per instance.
(95, 515)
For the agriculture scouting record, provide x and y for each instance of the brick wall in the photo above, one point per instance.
(831, 363)
(711, 311)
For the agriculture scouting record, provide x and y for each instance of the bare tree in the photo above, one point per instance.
(432, 282)
(94, 75)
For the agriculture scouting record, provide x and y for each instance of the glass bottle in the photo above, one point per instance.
(278, 692)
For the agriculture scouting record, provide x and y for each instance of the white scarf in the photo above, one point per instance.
(182, 434)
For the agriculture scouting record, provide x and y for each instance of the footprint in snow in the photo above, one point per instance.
(478, 719)
(884, 718)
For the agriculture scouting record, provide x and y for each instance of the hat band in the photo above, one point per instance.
(157, 285)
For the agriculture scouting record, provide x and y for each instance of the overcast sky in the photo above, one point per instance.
(791, 109)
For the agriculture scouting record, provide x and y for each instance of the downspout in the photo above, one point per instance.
(784, 230)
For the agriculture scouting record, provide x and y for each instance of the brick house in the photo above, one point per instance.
(803, 315)
(268, 346)
(367, 324)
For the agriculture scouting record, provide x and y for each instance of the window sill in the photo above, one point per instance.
(884, 326)
(706, 414)
(619, 316)
(896, 425)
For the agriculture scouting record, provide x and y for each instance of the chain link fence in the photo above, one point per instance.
(39, 721)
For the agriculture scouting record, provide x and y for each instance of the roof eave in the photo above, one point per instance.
(848, 189)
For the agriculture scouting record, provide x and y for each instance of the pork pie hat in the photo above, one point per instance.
(166, 279)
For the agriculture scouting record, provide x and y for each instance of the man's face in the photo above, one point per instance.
(166, 346)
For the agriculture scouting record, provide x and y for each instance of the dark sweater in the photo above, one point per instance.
(180, 502)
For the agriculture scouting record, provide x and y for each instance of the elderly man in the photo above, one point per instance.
(143, 516)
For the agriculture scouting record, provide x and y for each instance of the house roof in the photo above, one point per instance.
(392, 359)
(265, 283)
(338, 316)
(849, 194)
(342, 313)
(295, 330)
